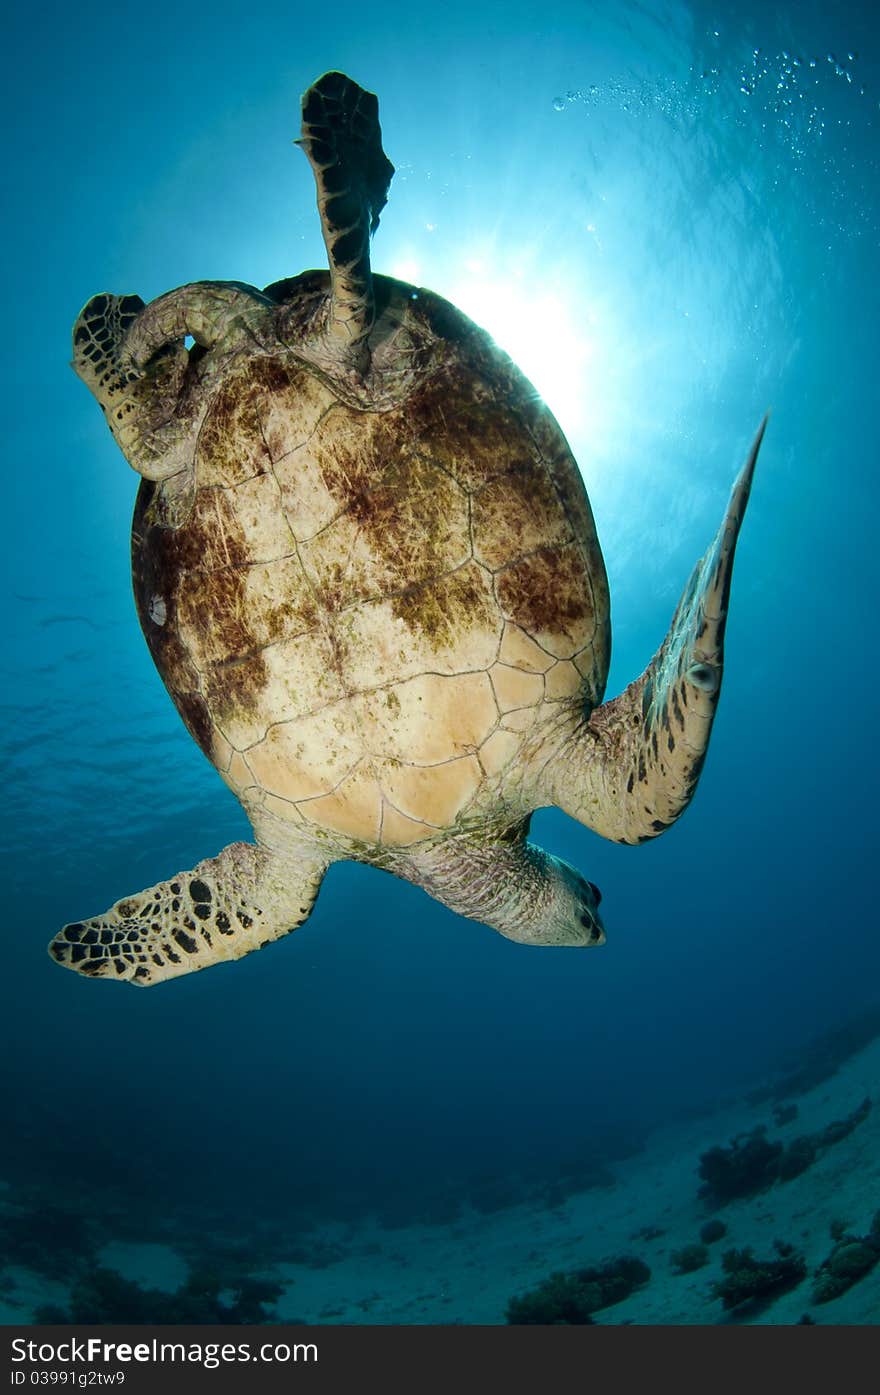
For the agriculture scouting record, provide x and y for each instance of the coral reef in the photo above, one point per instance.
(752, 1281)
(712, 1230)
(785, 1114)
(689, 1258)
(751, 1162)
(561, 1300)
(101, 1295)
(571, 1298)
(834, 1132)
(748, 1164)
(48, 1239)
(851, 1258)
(797, 1156)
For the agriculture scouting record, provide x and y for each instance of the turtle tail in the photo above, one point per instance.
(342, 138)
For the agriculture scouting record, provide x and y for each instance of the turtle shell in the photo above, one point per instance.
(363, 614)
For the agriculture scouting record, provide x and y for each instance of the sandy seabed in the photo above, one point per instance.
(467, 1271)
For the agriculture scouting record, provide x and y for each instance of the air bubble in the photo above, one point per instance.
(559, 104)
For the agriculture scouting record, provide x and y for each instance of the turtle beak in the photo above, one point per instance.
(591, 920)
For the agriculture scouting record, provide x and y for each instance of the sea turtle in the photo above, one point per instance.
(368, 573)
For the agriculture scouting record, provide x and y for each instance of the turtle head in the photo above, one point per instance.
(572, 917)
(133, 359)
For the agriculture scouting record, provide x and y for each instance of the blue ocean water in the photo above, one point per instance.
(669, 214)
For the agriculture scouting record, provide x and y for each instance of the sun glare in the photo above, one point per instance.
(552, 340)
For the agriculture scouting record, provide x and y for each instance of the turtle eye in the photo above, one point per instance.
(596, 892)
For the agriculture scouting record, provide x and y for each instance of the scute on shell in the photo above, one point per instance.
(368, 612)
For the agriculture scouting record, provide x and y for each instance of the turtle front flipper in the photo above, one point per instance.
(133, 358)
(225, 907)
(631, 769)
(342, 138)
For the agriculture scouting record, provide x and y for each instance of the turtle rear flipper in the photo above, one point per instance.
(342, 138)
(633, 767)
(225, 907)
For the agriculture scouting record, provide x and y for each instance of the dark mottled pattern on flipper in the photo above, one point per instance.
(341, 120)
(225, 907)
(99, 329)
(639, 756)
(343, 141)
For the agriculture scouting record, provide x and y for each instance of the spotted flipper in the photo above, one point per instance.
(225, 907)
(133, 358)
(100, 329)
(343, 141)
(126, 398)
(634, 765)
